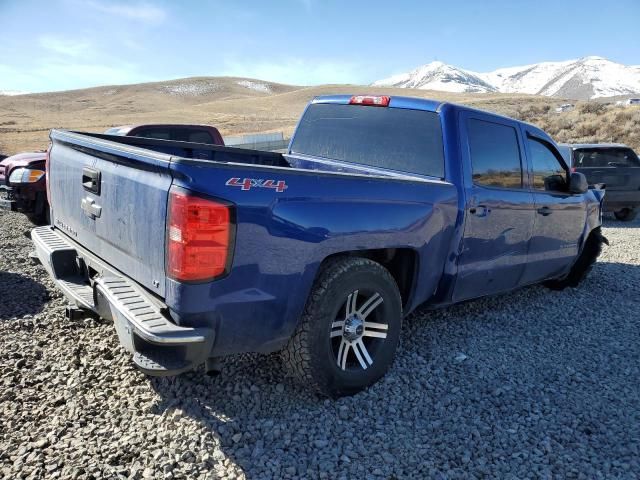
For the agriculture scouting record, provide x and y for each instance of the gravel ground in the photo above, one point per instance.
(535, 384)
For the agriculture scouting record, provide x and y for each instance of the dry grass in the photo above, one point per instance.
(590, 123)
(26, 120)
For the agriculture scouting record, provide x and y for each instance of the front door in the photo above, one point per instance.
(499, 210)
(560, 216)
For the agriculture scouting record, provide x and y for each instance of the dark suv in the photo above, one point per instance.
(615, 165)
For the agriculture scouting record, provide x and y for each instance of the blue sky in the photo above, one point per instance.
(50, 45)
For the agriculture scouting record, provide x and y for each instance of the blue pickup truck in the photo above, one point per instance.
(381, 204)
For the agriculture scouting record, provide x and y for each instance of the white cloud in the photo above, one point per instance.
(65, 46)
(296, 71)
(90, 75)
(143, 12)
(60, 74)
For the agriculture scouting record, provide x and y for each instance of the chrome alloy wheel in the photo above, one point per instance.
(357, 338)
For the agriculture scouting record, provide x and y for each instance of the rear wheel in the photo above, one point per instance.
(584, 263)
(350, 329)
(625, 215)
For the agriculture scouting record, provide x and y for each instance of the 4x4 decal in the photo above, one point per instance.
(249, 183)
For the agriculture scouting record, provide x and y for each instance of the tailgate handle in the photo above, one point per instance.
(91, 180)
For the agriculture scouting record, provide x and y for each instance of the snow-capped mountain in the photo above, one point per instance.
(439, 76)
(11, 92)
(585, 78)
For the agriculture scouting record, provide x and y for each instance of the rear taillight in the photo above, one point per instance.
(46, 169)
(199, 237)
(371, 100)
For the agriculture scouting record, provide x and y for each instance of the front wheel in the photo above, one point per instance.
(348, 334)
(625, 215)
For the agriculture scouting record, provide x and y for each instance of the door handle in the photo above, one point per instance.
(545, 211)
(479, 211)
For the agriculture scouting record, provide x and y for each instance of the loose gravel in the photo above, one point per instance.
(536, 384)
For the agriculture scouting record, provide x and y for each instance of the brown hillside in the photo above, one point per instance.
(260, 106)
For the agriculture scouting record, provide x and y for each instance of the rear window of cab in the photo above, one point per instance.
(393, 138)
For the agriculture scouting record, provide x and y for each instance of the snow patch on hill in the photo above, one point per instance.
(11, 93)
(191, 89)
(257, 86)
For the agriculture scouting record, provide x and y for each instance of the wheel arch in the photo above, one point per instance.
(401, 263)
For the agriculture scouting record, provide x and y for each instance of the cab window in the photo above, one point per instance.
(548, 173)
(159, 134)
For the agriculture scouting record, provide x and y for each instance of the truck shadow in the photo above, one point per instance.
(20, 295)
(513, 347)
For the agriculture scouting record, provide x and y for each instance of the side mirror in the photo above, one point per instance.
(578, 183)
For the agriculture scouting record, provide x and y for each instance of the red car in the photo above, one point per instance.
(22, 177)
(23, 185)
(175, 132)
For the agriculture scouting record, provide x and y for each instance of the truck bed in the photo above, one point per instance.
(200, 151)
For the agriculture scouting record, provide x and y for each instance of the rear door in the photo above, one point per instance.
(112, 200)
(559, 215)
(499, 210)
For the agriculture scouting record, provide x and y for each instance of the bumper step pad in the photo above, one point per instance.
(159, 346)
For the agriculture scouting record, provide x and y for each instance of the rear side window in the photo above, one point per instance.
(548, 173)
(199, 136)
(177, 134)
(605, 157)
(495, 154)
(394, 138)
(158, 134)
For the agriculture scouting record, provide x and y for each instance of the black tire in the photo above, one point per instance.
(41, 214)
(316, 348)
(41, 219)
(626, 214)
(580, 269)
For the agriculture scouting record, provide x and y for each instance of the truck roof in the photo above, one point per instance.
(425, 104)
(125, 129)
(395, 102)
(575, 146)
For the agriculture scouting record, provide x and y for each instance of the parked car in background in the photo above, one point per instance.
(175, 132)
(23, 185)
(565, 107)
(380, 205)
(23, 179)
(633, 101)
(616, 166)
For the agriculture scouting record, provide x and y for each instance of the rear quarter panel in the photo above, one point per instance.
(283, 237)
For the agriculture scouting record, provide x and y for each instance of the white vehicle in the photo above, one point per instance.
(633, 101)
(565, 107)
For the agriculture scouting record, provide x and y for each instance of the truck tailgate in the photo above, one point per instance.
(112, 199)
